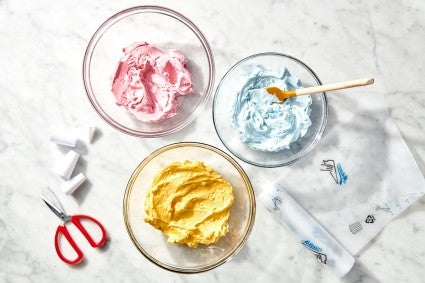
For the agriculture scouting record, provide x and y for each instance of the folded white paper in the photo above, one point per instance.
(65, 166)
(71, 185)
(359, 177)
(85, 133)
(64, 138)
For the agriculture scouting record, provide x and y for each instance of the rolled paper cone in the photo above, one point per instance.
(90, 133)
(64, 138)
(68, 187)
(85, 134)
(66, 165)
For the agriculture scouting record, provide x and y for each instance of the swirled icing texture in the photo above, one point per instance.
(261, 120)
(148, 81)
(190, 203)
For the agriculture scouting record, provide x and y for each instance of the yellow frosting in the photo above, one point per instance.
(190, 203)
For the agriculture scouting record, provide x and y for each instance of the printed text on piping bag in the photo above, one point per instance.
(307, 230)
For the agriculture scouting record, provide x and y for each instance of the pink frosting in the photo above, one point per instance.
(148, 81)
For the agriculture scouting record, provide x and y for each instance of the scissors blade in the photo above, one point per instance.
(53, 199)
(56, 210)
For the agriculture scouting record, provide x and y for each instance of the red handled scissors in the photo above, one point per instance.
(62, 230)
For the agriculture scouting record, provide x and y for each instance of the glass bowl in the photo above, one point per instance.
(232, 83)
(152, 243)
(165, 29)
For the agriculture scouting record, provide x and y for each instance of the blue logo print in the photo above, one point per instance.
(311, 246)
(342, 176)
(336, 171)
(323, 258)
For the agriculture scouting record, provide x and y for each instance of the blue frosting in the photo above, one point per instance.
(261, 120)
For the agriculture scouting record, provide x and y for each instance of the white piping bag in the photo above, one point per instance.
(307, 230)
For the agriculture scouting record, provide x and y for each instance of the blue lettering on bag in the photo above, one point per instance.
(311, 246)
(342, 176)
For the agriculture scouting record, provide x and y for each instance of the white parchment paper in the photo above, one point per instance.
(359, 177)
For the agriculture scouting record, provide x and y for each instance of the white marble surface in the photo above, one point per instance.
(41, 49)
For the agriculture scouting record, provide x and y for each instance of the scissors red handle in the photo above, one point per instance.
(76, 220)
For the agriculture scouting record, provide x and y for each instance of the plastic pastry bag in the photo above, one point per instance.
(359, 177)
(305, 228)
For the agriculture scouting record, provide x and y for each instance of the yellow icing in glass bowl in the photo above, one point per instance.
(152, 243)
(190, 203)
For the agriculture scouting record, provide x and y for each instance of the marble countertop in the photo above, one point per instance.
(42, 45)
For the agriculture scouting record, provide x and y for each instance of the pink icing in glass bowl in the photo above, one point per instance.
(165, 29)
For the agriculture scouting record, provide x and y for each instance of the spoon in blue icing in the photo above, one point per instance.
(282, 95)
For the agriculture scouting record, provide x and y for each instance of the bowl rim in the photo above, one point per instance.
(216, 150)
(312, 144)
(118, 17)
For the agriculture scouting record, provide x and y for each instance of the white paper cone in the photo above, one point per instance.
(66, 165)
(90, 133)
(68, 187)
(64, 138)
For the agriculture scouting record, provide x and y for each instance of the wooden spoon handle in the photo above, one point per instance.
(329, 87)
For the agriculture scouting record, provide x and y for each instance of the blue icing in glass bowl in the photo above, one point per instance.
(261, 120)
(255, 126)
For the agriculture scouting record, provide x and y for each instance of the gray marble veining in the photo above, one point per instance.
(41, 49)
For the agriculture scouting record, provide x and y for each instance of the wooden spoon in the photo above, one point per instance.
(282, 95)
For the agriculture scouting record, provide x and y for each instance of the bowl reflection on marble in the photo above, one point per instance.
(232, 83)
(152, 243)
(165, 29)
